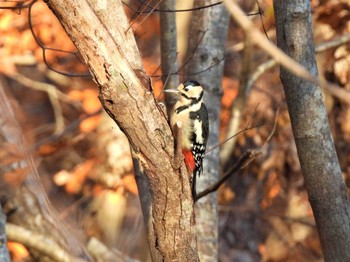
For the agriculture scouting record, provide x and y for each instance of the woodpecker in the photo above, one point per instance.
(192, 113)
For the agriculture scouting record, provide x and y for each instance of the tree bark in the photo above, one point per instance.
(100, 31)
(4, 253)
(168, 45)
(206, 43)
(318, 159)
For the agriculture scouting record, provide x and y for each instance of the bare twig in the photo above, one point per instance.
(332, 89)
(240, 102)
(333, 43)
(338, 92)
(300, 220)
(102, 253)
(259, 39)
(260, 12)
(248, 155)
(341, 40)
(273, 128)
(67, 129)
(168, 10)
(231, 137)
(53, 93)
(242, 162)
(45, 48)
(144, 19)
(41, 243)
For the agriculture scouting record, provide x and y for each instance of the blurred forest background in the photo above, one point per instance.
(83, 158)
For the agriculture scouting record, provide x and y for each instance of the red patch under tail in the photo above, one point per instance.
(189, 160)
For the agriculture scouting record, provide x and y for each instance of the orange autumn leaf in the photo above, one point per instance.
(157, 88)
(16, 178)
(230, 88)
(91, 103)
(262, 249)
(130, 184)
(89, 124)
(28, 41)
(47, 149)
(9, 154)
(18, 251)
(79, 174)
(76, 95)
(151, 66)
(5, 21)
(273, 190)
(97, 190)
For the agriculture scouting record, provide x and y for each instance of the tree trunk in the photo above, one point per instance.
(168, 54)
(318, 159)
(101, 32)
(4, 253)
(206, 43)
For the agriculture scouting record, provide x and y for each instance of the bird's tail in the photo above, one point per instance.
(196, 172)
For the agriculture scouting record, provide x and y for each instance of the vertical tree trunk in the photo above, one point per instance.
(4, 253)
(206, 43)
(100, 31)
(318, 159)
(168, 54)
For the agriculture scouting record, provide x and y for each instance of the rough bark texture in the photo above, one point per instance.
(168, 45)
(318, 159)
(99, 30)
(4, 253)
(207, 38)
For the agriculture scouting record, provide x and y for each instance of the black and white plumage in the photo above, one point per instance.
(192, 113)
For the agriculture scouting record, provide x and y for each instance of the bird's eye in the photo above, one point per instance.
(186, 88)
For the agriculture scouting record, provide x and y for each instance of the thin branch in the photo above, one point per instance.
(168, 10)
(248, 155)
(20, 5)
(341, 40)
(321, 47)
(231, 137)
(45, 48)
(242, 162)
(260, 40)
(144, 19)
(341, 93)
(261, 12)
(53, 93)
(241, 100)
(212, 65)
(67, 129)
(273, 128)
(102, 253)
(300, 220)
(174, 64)
(39, 242)
(194, 51)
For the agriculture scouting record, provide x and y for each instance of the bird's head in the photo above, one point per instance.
(188, 90)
